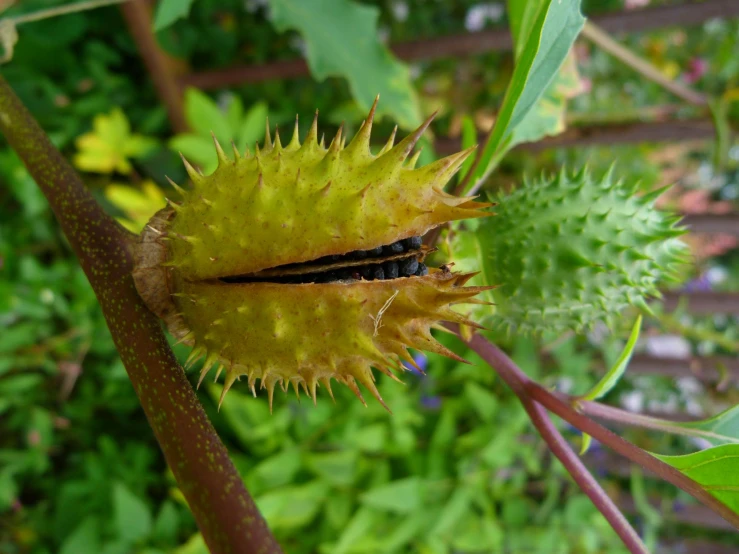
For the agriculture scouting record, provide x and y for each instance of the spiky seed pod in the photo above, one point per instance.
(301, 264)
(571, 251)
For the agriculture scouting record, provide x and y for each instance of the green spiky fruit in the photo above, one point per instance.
(271, 267)
(571, 251)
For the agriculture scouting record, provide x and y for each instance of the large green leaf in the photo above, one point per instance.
(342, 41)
(556, 24)
(715, 469)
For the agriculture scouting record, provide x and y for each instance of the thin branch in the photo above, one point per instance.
(617, 415)
(604, 41)
(564, 453)
(523, 386)
(224, 511)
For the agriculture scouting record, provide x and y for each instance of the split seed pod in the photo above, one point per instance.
(301, 264)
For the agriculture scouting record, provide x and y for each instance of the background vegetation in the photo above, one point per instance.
(457, 467)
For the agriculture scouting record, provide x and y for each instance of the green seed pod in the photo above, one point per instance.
(301, 263)
(572, 251)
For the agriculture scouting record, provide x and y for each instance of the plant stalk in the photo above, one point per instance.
(559, 446)
(525, 387)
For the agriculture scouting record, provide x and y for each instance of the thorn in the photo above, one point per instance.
(311, 138)
(218, 373)
(361, 142)
(297, 177)
(294, 383)
(322, 144)
(390, 142)
(326, 382)
(295, 141)
(267, 136)
(230, 380)
(324, 190)
(195, 176)
(277, 145)
(222, 158)
(313, 384)
(414, 159)
(237, 154)
(175, 186)
(353, 387)
(175, 207)
(405, 146)
(270, 393)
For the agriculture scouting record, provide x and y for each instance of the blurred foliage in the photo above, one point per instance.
(457, 467)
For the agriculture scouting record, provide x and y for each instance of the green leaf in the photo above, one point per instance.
(482, 400)
(718, 430)
(85, 539)
(166, 524)
(336, 468)
(342, 41)
(110, 145)
(402, 496)
(614, 374)
(358, 527)
(204, 116)
(169, 11)
(197, 149)
(469, 137)
(132, 515)
(715, 469)
(251, 127)
(453, 512)
(552, 34)
(522, 17)
(292, 507)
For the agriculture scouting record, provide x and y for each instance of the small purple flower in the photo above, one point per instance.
(431, 402)
(699, 284)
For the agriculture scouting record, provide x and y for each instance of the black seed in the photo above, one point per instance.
(392, 271)
(422, 270)
(408, 267)
(378, 273)
(413, 243)
(358, 254)
(375, 251)
(365, 272)
(394, 248)
(343, 274)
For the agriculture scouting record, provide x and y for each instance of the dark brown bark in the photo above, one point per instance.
(223, 509)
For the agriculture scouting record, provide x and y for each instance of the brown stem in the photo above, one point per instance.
(224, 511)
(561, 448)
(523, 386)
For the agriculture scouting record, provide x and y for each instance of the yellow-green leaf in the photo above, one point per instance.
(110, 145)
